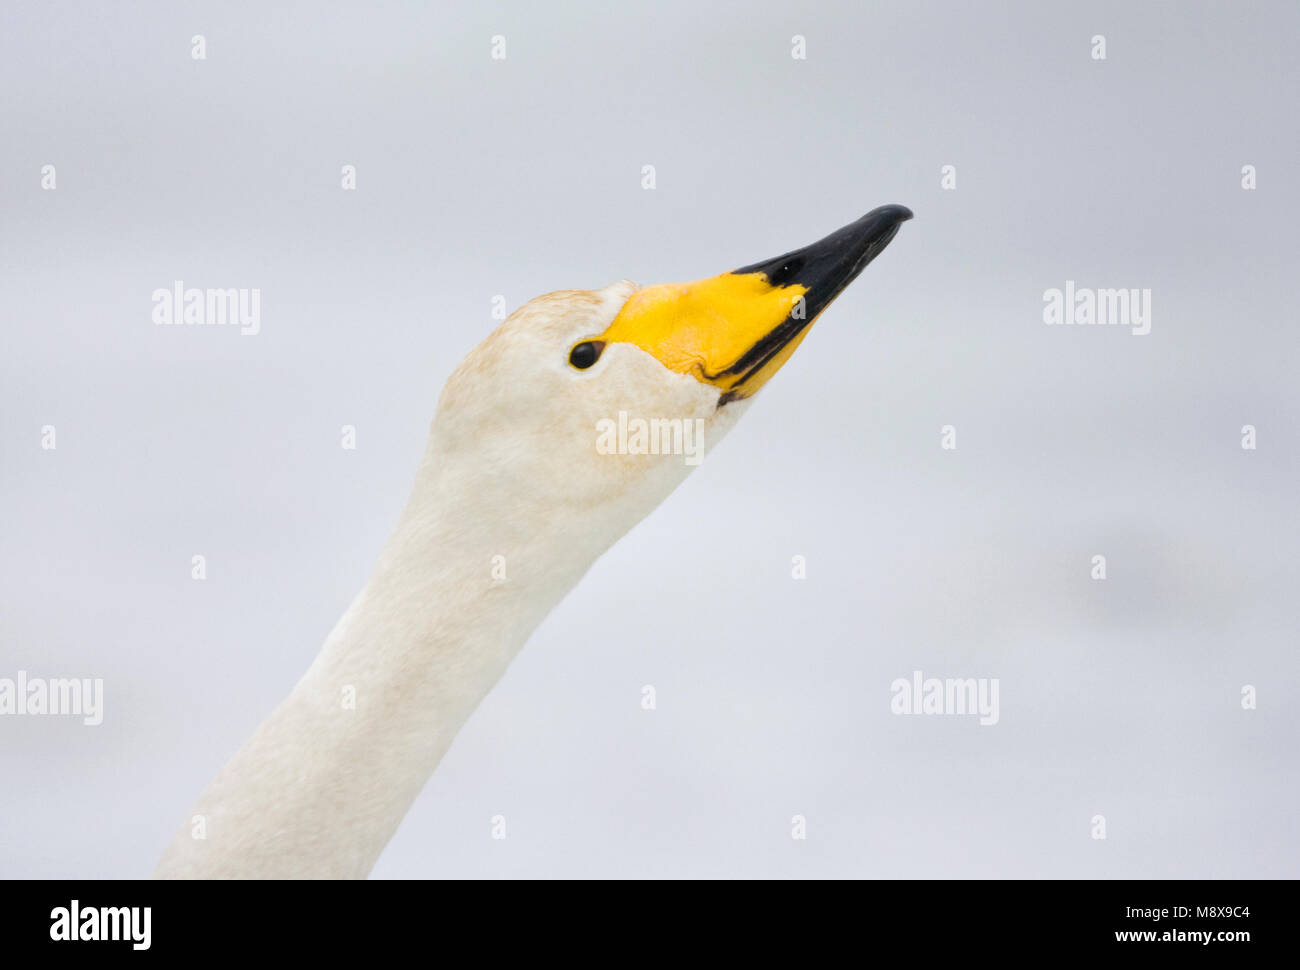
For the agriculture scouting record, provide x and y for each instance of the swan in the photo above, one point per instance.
(512, 503)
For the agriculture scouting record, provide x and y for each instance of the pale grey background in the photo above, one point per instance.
(479, 177)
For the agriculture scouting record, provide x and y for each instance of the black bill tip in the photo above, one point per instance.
(823, 269)
(827, 266)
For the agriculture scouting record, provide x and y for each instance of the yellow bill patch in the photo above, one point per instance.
(723, 331)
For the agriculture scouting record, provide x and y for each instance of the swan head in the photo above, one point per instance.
(585, 408)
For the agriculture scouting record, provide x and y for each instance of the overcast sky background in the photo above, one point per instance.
(478, 177)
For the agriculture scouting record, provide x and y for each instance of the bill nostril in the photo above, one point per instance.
(785, 272)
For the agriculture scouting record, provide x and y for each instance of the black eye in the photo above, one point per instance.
(586, 353)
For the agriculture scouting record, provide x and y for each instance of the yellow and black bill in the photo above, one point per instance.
(736, 330)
